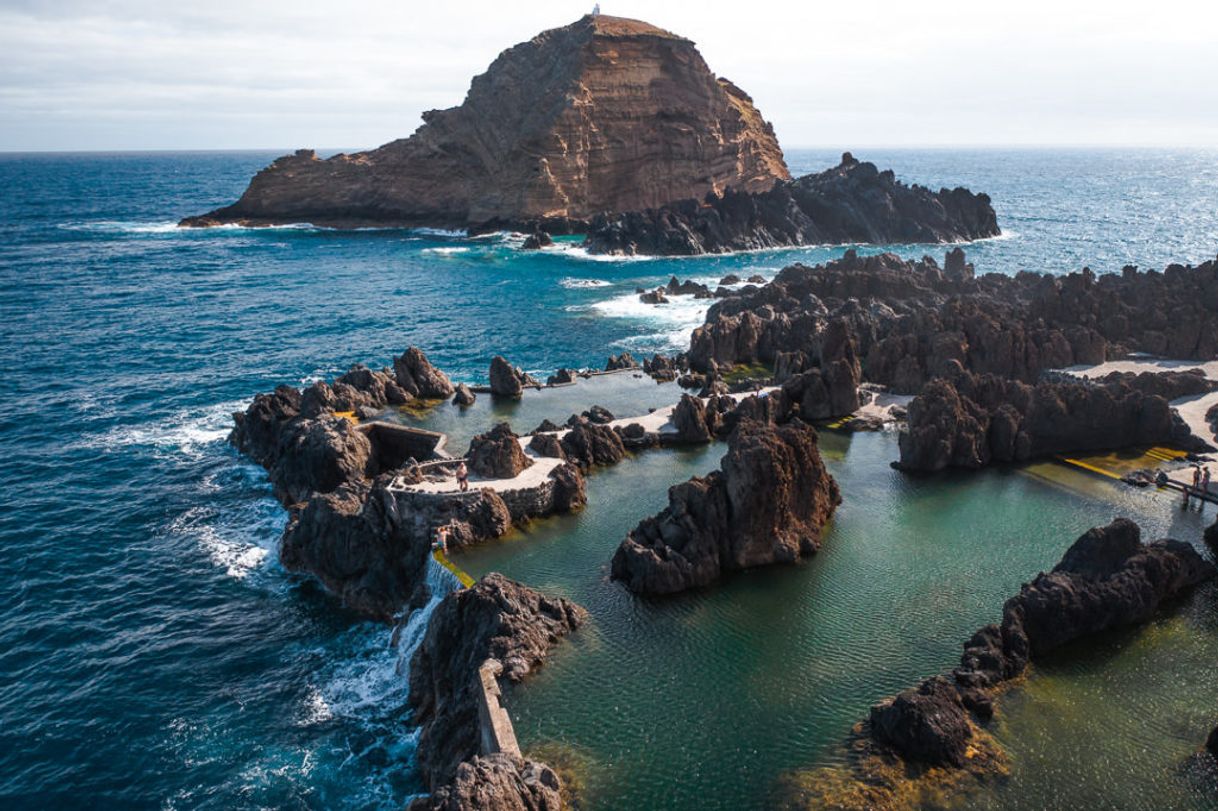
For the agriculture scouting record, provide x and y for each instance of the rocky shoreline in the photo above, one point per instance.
(976, 354)
(852, 203)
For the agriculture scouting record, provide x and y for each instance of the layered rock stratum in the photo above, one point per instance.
(603, 115)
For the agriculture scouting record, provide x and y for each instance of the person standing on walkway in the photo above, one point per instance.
(1205, 484)
(462, 477)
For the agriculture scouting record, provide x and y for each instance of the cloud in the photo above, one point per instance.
(133, 74)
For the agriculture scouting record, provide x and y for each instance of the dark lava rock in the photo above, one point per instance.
(497, 454)
(914, 321)
(756, 278)
(547, 445)
(927, 723)
(766, 505)
(546, 426)
(317, 456)
(588, 444)
(418, 378)
(463, 396)
(622, 361)
(536, 241)
(561, 378)
(496, 619)
(256, 432)
(730, 278)
(972, 420)
(508, 380)
(851, 203)
(369, 545)
(687, 288)
(691, 420)
(498, 782)
(657, 296)
(598, 414)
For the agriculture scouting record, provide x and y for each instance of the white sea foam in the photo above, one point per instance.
(188, 431)
(374, 681)
(572, 283)
(238, 539)
(446, 251)
(122, 227)
(440, 232)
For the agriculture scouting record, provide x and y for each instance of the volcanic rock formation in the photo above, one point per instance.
(766, 505)
(603, 115)
(966, 420)
(496, 619)
(851, 203)
(911, 321)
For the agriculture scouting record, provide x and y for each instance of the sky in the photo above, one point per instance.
(282, 74)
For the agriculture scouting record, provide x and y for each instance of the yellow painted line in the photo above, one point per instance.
(443, 560)
(1086, 466)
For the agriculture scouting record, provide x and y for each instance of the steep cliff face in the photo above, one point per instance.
(603, 115)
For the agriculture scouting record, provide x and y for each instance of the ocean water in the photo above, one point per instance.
(153, 654)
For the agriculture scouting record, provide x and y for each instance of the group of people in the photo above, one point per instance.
(1200, 486)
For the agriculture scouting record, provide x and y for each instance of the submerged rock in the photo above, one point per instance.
(766, 505)
(551, 132)
(494, 619)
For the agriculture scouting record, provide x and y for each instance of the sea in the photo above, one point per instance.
(154, 653)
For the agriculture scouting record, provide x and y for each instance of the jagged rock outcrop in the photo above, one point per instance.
(317, 456)
(969, 421)
(912, 320)
(368, 544)
(605, 114)
(1107, 579)
(767, 504)
(415, 374)
(853, 202)
(508, 380)
(562, 377)
(256, 431)
(463, 395)
(536, 241)
(496, 619)
(623, 361)
(498, 782)
(497, 454)
(588, 444)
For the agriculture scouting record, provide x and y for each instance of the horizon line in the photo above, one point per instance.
(800, 147)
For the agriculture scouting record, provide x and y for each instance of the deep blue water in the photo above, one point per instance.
(152, 652)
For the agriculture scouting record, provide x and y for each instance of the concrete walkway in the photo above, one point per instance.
(656, 422)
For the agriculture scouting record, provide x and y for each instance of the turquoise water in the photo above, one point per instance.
(718, 694)
(154, 654)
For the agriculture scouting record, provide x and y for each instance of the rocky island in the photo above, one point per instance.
(614, 128)
(604, 114)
